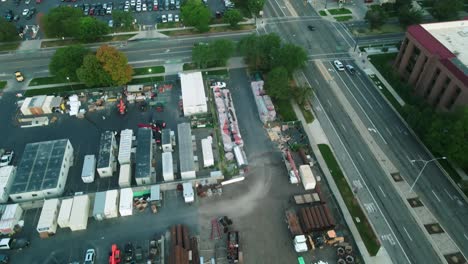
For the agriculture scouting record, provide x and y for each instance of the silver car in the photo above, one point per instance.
(90, 256)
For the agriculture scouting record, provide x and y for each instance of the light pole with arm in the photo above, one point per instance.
(149, 70)
(420, 173)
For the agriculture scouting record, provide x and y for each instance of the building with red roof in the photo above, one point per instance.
(433, 59)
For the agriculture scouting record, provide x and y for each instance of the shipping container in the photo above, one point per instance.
(125, 176)
(89, 169)
(207, 150)
(7, 175)
(63, 219)
(47, 224)
(25, 106)
(10, 218)
(111, 207)
(126, 202)
(189, 196)
(307, 177)
(79, 213)
(99, 205)
(168, 169)
(125, 147)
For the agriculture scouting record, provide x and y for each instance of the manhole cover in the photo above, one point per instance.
(396, 177)
(414, 202)
(434, 228)
(455, 258)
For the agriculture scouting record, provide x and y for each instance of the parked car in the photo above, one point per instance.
(6, 158)
(144, 8)
(25, 12)
(350, 69)
(27, 2)
(155, 6)
(164, 18)
(170, 18)
(90, 256)
(311, 28)
(176, 18)
(138, 8)
(16, 18)
(19, 76)
(338, 65)
(110, 23)
(9, 16)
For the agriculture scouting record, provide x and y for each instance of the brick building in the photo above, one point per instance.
(433, 59)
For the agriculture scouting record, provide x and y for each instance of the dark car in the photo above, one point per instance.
(350, 69)
(29, 16)
(311, 28)
(32, 10)
(9, 15)
(129, 252)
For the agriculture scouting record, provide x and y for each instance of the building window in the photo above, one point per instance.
(454, 98)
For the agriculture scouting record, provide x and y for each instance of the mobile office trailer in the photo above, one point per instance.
(240, 157)
(7, 175)
(79, 213)
(88, 172)
(125, 147)
(125, 176)
(307, 177)
(208, 159)
(10, 218)
(168, 167)
(111, 205)
(63, 218)
(166, 140)
(126, 202)
(107, 163)
(47, 225)
(99, 205)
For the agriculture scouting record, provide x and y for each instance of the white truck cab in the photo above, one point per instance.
(300, 243)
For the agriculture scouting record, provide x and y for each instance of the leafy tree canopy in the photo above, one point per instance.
(122, 19)
(277, 83)
(92, 74)
(7, 30)
(195, 13)
(67, 60)
(62, 21)
(91, 29)
(115, 63)
(232, 17)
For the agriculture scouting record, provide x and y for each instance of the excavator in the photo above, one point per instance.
(114, 256)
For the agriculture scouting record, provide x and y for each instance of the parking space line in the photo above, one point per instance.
(382, 192)
(437, 197)
(448, 194)
(360, 155)
(406, 231)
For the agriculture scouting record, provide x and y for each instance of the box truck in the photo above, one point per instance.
(79, 213)
(47, 225)
(89, 169)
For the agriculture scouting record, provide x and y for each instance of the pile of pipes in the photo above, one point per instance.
(317, 218)
(265, 106)
(227, 119)
(183, 249)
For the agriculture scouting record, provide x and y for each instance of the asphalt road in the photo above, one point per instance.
(392, 136)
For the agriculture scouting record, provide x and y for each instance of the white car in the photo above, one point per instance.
(109, 10)
(170, 18)
(27, 2)
(133, 3)
(144, 8)
(164, 18)
(218, 85)
(138, 8)
(111, 23)
(90, 256)
(25, 12)
(338, 65)
(176, 18)
(7, 158)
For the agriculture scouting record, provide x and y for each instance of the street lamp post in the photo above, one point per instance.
(149, 70)
(71, 86)
(425, 164)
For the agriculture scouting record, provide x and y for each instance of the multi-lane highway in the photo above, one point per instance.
(400, 234)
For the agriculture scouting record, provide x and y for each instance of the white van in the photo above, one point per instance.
(89, 169)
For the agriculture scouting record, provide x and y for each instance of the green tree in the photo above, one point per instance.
(409, 16)
(115, 63)
(444, 10)
(67, 60)
(255, 6)
(232, 17)
(222, 50)
(91, 29)
(259, 51)
(195, 13)
(122, 19)
(291, 57)
(201, 55)
(458, 136)
(376, 17)
(62, 21)
(277, 83)
(7, 31)
(301, 94)
(92, 74)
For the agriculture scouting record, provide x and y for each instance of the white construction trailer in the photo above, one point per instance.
(125, 146)
(207, 150)
(167, 166)
(79, 213)
(111, 209)
(126, 202)
(47, 225)
(125, 176)
(63, 218)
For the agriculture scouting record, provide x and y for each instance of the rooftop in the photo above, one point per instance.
(193, 90)
(143, 153)
(105, 149)
(185, 147)
(40, 166)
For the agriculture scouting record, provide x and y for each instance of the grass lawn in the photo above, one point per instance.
(9, 46)
(285, 110)
(339, 11)
(189, 66)
(3, 84)
(364, 228)
(48, 80)
(308, 116)
(67, 42)
(387, 28)
(323, 13)
(147, 80)
(212, 30)
(55, 90)
(145, 70)
(343, 18)
(223, 72)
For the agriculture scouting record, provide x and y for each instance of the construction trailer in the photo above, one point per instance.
(186, 158)
(47, 224)
(240, 157)
(167, 139)
(125, 146)
(7, 175)
(207, 150)
(99, 204)
(193, 93)
(125, 175)
(167, 166)
(189, 196)
(144, 170)
(107, 163)
(111, 206)
(307, 177)
(89, 169)
(63, 219)
(10, 218)
(126, 202)
(79, 213)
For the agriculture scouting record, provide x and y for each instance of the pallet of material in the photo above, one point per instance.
(316, 218)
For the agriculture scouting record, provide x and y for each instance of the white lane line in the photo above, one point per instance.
(412, 163)
(437, 197)
(382, 192)
(388, 130)
(406, 231)
(360, 155)
(170, 52)
(344, 38)
(466, 237)
(344, 128)
(317, 82)
(447, 192)
(329, 103)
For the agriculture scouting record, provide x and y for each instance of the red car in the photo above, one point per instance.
(38, 1)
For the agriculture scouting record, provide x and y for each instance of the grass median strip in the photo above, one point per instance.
(323, 13)
(147, 80)
(48, 80)
(3, 84)
(9, 46)
(339, 11)
(343, 18)
(365, 230)
(146, 70)
(59, 90)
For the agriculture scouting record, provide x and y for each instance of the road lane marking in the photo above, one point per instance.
(382, 192)
(329, 103)
(436, 196)
(170, 52)
(388, 130)
(466, 237)
(360, 155)
(344, 128)
(406, 231)
(448, 194)
(410, 160)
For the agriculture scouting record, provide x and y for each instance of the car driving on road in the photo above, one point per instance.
(338, 65)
